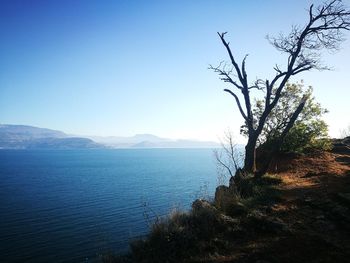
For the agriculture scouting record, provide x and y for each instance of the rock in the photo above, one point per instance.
(200, 205)
(221, 192)
(226, 201)
(228, 220)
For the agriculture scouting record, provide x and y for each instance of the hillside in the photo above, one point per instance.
(310, 221)
(29, 137)
(301, 213)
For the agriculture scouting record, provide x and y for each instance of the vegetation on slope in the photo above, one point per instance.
(299, 214)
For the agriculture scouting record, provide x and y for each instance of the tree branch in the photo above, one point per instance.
(280, 140)
(233, 61)
(227, 77)
(238, 104)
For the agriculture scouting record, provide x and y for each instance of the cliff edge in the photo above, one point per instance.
(298, 213)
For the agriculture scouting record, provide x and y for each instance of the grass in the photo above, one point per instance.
(178, 236)
(260, 191)
(290, 217)
(207, 227)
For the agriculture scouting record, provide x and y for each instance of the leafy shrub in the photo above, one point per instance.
(310, 132)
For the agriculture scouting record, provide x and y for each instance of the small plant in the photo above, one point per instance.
(203, 192)
(176, 236)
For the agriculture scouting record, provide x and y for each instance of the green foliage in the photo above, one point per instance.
(309, 132)
(262, 190)
(303, 138)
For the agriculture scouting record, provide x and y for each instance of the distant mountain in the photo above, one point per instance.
(190, 144)
(138, 141)
(148, 137)
(64, 143)
(151, 141)
(23, 132)
(145, 144)
(29, 137)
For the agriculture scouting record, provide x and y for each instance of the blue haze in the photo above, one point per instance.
(72, 205)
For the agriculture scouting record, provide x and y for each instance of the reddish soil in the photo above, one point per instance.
(315, 207)
(313, 214)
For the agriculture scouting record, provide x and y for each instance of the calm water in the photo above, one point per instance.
(70, 206)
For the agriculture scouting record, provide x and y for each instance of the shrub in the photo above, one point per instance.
(177, 236)
(310, 132)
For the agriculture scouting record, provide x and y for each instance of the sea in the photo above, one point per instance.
(76, 205)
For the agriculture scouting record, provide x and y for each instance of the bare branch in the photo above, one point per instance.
(229, 157)
(238, 103)
(218, 158)
(233, 61)
(225, 75)
(244, 71)
(259, 84)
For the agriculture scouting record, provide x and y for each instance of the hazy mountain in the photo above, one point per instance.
(190, 144)
(29, 137)
(176, 144)
(126, 142)
(63, 143)
(23, 132)
(151, 141)
(148, 137)
(145, 144)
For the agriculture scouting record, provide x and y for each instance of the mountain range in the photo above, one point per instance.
(151, 141)
(29, 137)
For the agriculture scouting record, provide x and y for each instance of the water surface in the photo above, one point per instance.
(72, 205)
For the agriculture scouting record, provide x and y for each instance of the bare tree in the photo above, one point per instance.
(324, 30)
(228, 158)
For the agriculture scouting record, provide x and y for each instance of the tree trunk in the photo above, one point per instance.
(279, 142)
(250, 155)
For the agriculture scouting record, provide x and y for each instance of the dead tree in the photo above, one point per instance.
(324, 30)
(228, 158)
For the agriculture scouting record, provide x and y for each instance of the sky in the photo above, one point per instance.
(119, 68)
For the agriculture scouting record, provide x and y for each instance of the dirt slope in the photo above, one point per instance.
(300, 212)
(313, 213)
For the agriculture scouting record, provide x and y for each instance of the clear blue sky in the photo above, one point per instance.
(126, 67)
